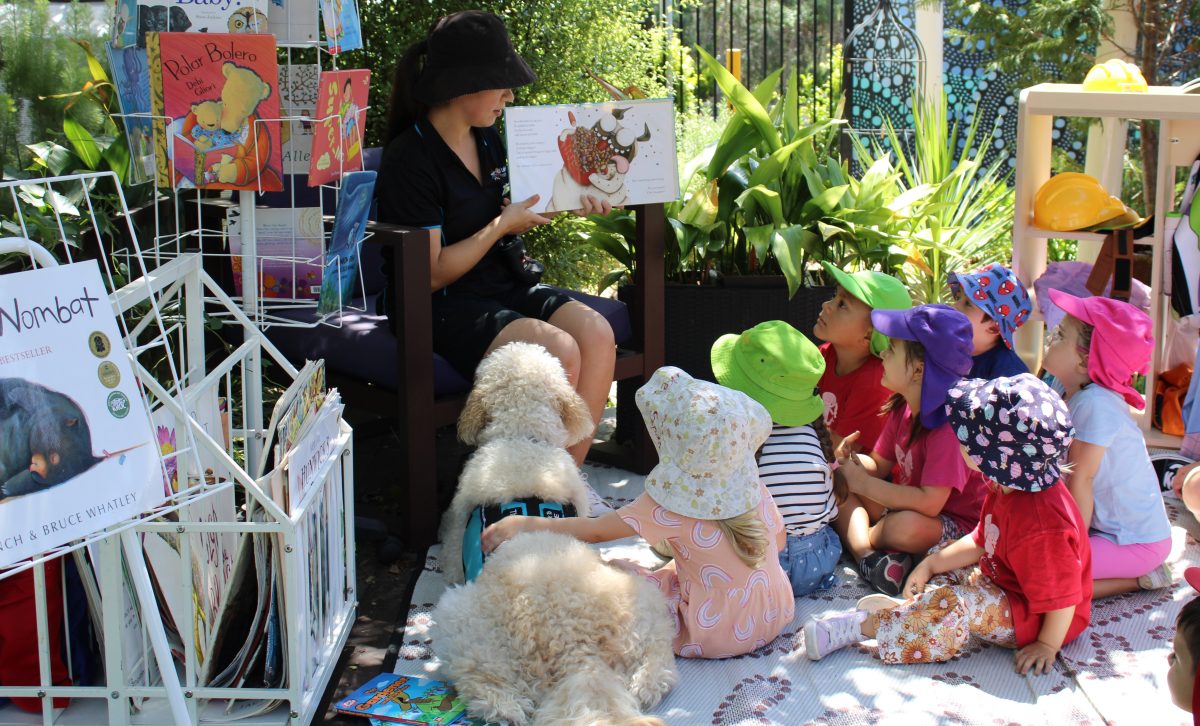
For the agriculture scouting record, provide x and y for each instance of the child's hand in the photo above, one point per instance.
(504, 530)
(1037, 656)
(1181, 476)
(846, 447)
(917, 579)
(854, 472)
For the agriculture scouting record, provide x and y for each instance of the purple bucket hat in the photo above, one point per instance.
(946, 335)
(995, 290)
(1016, 429)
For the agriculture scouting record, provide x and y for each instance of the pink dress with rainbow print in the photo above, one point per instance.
(721, 607)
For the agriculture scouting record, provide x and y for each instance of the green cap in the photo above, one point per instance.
(879, 290)
(776, 365)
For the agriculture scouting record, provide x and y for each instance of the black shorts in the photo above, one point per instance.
(465, 325)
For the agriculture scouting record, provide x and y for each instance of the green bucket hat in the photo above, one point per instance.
(776, 365)
(878, 290)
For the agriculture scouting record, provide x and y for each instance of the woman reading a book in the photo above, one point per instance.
(444, 168)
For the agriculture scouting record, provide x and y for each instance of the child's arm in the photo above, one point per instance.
(1084, 460)
(1187, 486)
(589, 529)
(960, 553)
(1040, 654)
(927, 500)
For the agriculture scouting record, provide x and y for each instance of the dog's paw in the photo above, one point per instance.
(502, 708)
(644, 721)
(649, 685)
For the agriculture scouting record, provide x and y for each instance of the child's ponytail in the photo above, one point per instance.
(840, 488)
(748, 535)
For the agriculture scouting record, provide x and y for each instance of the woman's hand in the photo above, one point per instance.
(515, 217)
(592, 205)
(504, 530)
(917, 579)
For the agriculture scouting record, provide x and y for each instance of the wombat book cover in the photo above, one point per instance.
(77, 449)
(220, 93)
(622, 152)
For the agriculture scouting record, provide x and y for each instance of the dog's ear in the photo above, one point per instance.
(576, 417)
(473, 419)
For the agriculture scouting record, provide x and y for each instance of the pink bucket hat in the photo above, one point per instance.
(1121, 343)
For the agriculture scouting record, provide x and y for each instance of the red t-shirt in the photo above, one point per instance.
(933, 460)
(1036, 549)
(852, 401)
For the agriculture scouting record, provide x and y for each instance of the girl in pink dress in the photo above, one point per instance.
(725, 587)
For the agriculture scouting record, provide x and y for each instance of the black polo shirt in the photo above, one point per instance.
(423, 183)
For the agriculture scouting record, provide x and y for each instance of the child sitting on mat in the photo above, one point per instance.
(996, 303)
(1183, 668)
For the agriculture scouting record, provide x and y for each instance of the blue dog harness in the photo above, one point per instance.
(482, 516)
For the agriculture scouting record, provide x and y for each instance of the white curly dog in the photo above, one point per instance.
(548, 633)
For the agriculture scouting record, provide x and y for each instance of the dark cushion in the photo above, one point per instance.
(362, 346)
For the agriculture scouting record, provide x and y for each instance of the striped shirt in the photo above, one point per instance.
(793, 468)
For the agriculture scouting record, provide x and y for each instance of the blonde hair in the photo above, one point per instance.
(748, 535)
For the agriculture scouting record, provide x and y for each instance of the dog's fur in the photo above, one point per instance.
(521, 413)
(549, 634)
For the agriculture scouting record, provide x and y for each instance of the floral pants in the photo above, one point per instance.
(937, 625)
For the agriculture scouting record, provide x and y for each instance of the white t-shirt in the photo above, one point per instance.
(1128, 503)
(794, 470)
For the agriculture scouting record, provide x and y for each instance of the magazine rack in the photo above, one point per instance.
(162, 315)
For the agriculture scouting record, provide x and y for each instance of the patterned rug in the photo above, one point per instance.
(1114, 673)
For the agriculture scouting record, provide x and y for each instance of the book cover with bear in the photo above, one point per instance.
(215, 97)
(342, 116)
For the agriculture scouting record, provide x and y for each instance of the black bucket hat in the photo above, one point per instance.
(467, 52)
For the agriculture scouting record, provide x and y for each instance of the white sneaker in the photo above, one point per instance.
(1156, 579)
(877, 601)
(596, 504)
(824, 636)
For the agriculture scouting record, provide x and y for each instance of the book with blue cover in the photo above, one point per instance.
(131, 76)
(341, 257)
(342, 29)
(394, 698)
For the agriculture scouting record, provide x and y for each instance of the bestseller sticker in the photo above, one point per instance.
(99, 345)
(109, 374)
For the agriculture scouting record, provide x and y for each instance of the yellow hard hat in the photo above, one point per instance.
(1071, 201)
(1115, 75)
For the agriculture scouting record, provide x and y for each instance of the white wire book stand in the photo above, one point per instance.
(302, 555)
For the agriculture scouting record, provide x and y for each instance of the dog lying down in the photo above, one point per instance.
(549, 634)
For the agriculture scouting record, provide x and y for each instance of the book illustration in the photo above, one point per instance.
(220, 92)
(293, 22)
(131, 76)
(405, 699)
(298, 97)
(349, 224)
(342, 30)
(134, 20)
(342, 114)
(622, 152)
(125, 24)
(289, 253)
(77, 449)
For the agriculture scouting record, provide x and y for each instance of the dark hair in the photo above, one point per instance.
(914, 353)
(405, 107)
(840, 489)
(1188, 623)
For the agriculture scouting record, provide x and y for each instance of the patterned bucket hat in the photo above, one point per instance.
(706, 436)
(1016, 429)
(995, 290)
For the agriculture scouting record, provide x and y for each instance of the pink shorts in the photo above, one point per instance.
(1111, 560)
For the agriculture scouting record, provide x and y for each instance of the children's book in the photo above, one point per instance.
(293, 22)
(290, 251)
(131, 76)
(134, 20)
(341, 259)
(342, 116)
(220, 92)
(622, 152)
(298, 97)
(342, 30)
(394, 698)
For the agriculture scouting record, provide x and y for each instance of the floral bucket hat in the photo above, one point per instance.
(1016, 429)
(706, 436)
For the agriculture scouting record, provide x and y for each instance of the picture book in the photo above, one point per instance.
(342, 30)
(219, 94)
(131, 76)
(289, 251)
(79, 453)
(134, 20)
(341, 259)
(341, 121)
(622, 152)
(293, 22)
(298, 97)
(394, 698)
